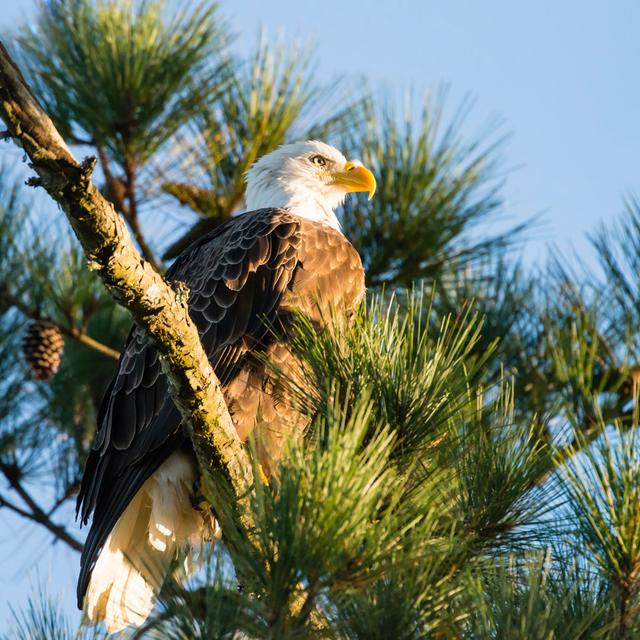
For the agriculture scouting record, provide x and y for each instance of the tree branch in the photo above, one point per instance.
(201, 227)
(35, 513)
(88, 341)
(155, 306)
(69, 491)
(131, 216)
(116, 189)
(73, 332)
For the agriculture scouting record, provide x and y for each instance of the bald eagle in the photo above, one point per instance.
(285, 255)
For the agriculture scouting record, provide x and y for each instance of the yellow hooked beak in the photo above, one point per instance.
(355, 178)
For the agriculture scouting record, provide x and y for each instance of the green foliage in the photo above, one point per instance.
(618, 251)
(270, 99)
(14, 213)
(578, 354)
(432, 517)
(537, 600)
(122, 75)
(434, 189)
(505, 296)
(367, 524)
(603, 489)
(12, 392)
(418, 375)
(326, 522)
(499, 463)
(411, 601)
(424, 382)
(42, 619)
(470, 467)
(46, 429)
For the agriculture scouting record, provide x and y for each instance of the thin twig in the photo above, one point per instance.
(88, 341)
(69, 491)
(626, 594)
(307, 605)
(129, 211)
(36, 513)
(201, 227)
(72, 332)
(132, 217)
(12, 507)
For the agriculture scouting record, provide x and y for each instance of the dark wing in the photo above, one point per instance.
(236, 276)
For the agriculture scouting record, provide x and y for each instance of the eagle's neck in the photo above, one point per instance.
(316, 210)
(297, 198)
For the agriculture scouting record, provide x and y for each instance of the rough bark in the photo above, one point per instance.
(155, 306)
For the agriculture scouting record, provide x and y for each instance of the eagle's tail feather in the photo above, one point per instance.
(137, 554)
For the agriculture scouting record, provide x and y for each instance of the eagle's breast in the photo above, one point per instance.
(327, 284)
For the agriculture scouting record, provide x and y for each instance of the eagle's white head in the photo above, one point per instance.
(310, 179)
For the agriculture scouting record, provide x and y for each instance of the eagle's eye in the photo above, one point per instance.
(319, 160)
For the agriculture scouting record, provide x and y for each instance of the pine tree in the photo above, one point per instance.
(471, 467)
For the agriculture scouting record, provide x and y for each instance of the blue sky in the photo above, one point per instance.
(561, 75)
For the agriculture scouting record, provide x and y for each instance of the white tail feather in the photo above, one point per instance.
(135, 559)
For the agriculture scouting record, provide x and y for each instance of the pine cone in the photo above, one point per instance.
(42, 346)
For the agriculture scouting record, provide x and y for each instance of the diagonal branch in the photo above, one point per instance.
(71, 331)
(131, 216)
(204, 225)
(155, 306)
(58, 531)
(36, 513)
(116, 190)
(85, 339)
